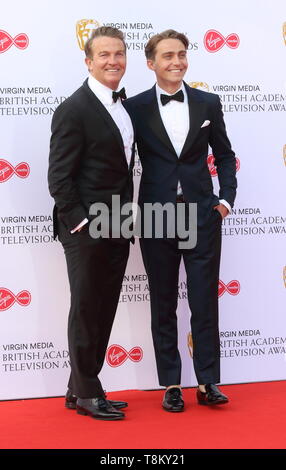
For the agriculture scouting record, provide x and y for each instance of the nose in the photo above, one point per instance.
(176, 60)
(112, 59)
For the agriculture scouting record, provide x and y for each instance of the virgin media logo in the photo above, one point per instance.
(22, 170)
(6, 41)
(7, 298)
(212, 167)
(214, 40)
(233, 288)
(116, 355)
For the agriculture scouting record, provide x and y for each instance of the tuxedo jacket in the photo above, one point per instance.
(162, 168)
(87, 161)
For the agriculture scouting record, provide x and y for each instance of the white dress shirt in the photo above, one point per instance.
(176, 119)
(120, 117)
(116, 111)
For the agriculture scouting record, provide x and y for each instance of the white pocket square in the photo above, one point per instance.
(206, 123)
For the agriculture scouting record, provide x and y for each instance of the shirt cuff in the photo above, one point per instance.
(85, 221)
(226, 204)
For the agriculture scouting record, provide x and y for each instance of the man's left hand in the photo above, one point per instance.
(222, 210)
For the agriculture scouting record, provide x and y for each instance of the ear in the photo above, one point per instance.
(88, 63)
(151, 64)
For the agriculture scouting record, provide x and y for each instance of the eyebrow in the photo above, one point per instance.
(108, 52)
(173, 52)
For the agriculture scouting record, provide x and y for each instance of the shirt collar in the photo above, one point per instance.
(103, 93)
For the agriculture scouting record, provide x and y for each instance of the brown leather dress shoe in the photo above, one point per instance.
(212, 396)
(98, 408)
(70, 402)
(173, 400)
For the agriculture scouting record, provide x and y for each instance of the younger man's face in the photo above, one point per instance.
(170, 63)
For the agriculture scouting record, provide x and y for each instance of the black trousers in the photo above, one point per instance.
(162, 259)
(95, 269)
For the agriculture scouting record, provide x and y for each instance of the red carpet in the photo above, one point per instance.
(254, 419)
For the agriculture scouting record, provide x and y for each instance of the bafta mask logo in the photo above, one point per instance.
(190, 344)
(284, 32)
(200, 85)
(284, 275)
(84, 29)
(284, 154)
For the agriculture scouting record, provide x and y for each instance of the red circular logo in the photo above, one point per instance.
(7, 298)
(22, 170)
(212, 167)
(214, 40)
(233, 288)
(6, 41)
(116, 355)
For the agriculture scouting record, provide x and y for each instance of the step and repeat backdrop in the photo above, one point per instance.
(237, 51)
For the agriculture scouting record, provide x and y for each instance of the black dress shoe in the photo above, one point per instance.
(173, 400)
(212, 396)
(98, 408)
(70, 402)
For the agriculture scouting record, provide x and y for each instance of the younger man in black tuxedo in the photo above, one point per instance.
(91, 159)
(175, 124)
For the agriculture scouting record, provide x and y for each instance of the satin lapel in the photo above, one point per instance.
(105, 115)
(153, 118)
(197, 109)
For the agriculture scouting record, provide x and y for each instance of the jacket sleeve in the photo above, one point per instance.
(66, 149)
(224, 156)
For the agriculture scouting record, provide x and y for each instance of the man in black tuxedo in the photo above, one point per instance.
(175, 124)
(91, 159)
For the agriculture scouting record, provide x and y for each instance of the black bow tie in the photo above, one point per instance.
(179, 96)
(119, 94)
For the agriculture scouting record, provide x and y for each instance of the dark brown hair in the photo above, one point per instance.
(108, 31)
(150, 48)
